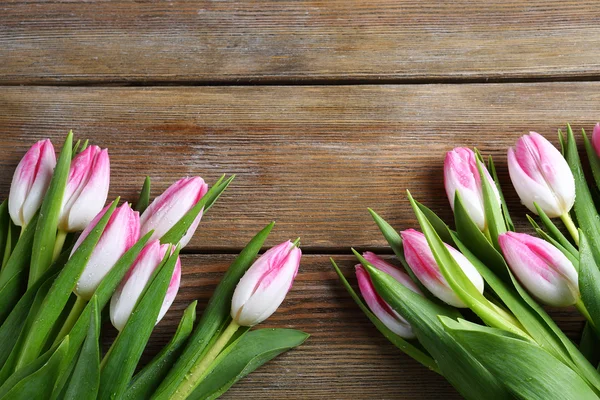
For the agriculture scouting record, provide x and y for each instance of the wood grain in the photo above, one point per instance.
(70, 42)
(345, 357)
(312, 158)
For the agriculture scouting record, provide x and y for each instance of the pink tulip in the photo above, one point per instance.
(596, 139)
(543, 269)
(126, 296)
(121, 232)
(30, 182)
(388, 316)
(264, 286)
(541, 175)
(168, 208)
(461, 175)
(423, 264)
(87, 189)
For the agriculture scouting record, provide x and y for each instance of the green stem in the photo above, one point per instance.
(296, 243)
(76, 311)
(568, 221)
(59, 243)
(583, 310)
(199, 371)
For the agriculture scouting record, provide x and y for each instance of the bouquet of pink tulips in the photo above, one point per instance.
(467, 301)
(55, 284)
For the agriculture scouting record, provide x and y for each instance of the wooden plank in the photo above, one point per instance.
(345, 357)
(206, 41)
(312, 158)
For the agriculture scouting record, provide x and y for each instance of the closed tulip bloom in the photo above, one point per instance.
(596, 139)
(30, 182)
(168, 208)
(132, 286)
(386, 314)
(461, 175)
(541, 175)
(121, 232)
(423, 264)
(264, 286)
(87, 189)
(542, 269)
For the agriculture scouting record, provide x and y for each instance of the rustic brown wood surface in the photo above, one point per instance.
(186, 41)
(321, 109)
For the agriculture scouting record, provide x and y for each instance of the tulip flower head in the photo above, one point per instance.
(541, 175)
(264, 286)
(423, 264)
(87, 189)
(462, 175)
(120, 234)
(542, 269)
(386, 314)
(30, 182)
(168, 208)
(132, 286)
(596, 139)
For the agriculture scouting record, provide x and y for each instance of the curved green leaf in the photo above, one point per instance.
(402, 344)
(589, 279)
(85, 380)
(493, 211)
(253, 350)
(147, 380)
(554, 232)
(144, 198)
(46, 228)
(507, 219)
(593, 159)
(216, 314)
(121, 360)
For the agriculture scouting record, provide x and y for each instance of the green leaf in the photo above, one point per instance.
(103, 294)
(13, 277)
(592, 158)
(395, 241)
(5, 223)
(523, 367)
(402, 344)
(179, 230)
(463, 371)
(507, 219)
(144, 198)
(586, 213)
(493, 211)
(147, 380)
(589, 345)
(554, 232)
(121, 360)
(589, 279)
(216, 314)
(438, 225)
(36, 380)
(46, 228)
(85, 380)
(253, 350)
(461, 284)
(60, 291)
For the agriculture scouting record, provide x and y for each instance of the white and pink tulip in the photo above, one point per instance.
(30, 182)
(264, 286)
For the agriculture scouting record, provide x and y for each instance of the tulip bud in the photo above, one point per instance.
(541, 175)
(596, 139)
(168, 208)
(30, 182)
(422, 262)
(120, 234)
(263, 287)
(461, 175)
(87, 189)
(543, 269)
(386, 314)
(126, 296)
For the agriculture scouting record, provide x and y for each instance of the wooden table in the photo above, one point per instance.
(322, 109)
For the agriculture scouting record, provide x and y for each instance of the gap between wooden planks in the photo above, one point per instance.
(76, 42)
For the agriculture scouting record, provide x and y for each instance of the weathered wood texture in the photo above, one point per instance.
(313, 158)
(206, 41)
(345, 357)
